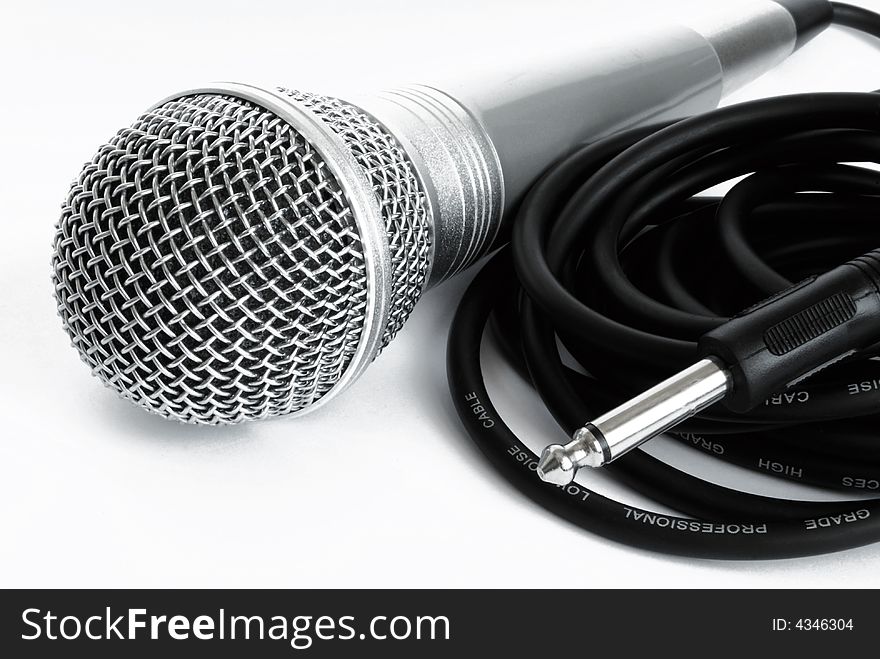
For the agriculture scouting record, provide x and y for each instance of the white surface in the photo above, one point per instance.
(381, 488)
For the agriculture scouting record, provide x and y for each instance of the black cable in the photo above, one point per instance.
(615, 254)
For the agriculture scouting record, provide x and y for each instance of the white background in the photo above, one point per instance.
(380, 488)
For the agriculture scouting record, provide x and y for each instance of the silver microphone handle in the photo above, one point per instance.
(480, 143)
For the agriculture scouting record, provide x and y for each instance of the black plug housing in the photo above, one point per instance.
(797, 332)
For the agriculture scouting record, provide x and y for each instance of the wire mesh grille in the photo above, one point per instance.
(401, 198)
(207, 265)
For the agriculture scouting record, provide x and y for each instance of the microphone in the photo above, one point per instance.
(242, 252)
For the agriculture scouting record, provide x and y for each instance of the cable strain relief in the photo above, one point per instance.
(869, 265)
(810, 17)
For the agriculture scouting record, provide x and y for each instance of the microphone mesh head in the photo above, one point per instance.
(209, 267)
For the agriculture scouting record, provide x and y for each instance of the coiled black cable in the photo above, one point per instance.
(616, 255)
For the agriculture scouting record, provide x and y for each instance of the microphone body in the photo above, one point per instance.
(243, 252)
(479, 143)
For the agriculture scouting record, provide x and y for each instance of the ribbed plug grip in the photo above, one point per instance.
(809, 324)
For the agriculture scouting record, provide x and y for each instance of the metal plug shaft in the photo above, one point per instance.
(636, 421)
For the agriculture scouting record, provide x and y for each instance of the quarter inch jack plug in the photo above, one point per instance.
(765, 349)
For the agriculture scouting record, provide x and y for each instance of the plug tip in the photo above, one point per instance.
(556, 465)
